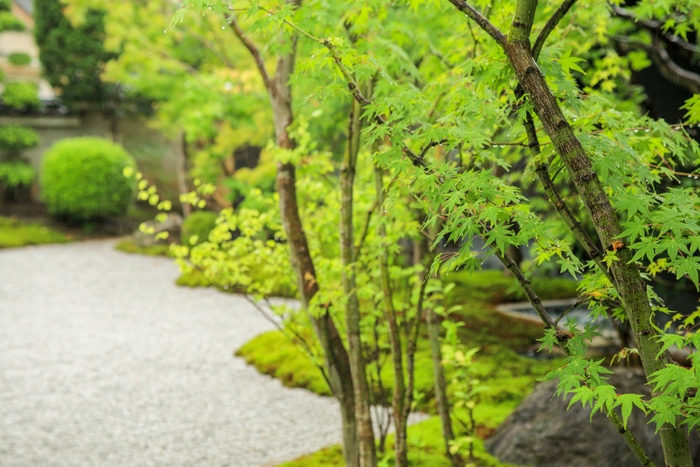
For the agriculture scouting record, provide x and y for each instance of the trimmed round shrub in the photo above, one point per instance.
(19, 59)
(8, 22)
(83, 178)
(199, 223)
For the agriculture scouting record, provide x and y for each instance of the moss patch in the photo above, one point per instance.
(15, 233)
(425, 448)
(273, 354)
(128, 246)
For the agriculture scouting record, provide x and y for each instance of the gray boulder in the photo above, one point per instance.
(543, 433)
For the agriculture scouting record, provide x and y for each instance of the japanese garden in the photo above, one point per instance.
(314, 233)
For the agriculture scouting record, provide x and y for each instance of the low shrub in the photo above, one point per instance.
(9, 22)
(19, 59)
(15, 138)
(196, 227)
(83, 178)
(19, 95)
(15, 174)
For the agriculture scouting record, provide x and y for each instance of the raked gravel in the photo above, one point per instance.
(105, 362)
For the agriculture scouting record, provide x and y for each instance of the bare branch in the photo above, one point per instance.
(655, 27)
(481, 20)
(550, 25)
(253, 49)
(668, 68)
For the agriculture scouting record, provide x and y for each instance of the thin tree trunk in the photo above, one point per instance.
(400, 448)
(365, 432)
(440, 384)
(182, 173)
(335, 354)
(627, 280)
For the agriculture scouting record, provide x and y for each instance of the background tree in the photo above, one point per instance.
(73, 57)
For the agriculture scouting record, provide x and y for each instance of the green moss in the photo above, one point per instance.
(506, 376)
(14, 233)
(128, 246)
(193, 278)
(272, 353)
(425, 448)
(495, 287)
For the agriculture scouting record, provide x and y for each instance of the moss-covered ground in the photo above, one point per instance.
(506, 375)
(16, 233)
(129, 246)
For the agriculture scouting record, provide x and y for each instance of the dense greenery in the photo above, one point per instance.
(72, 57)
(21, 95)
(14, 174)
(196, 227)
(82, 179)
(15, 138)
(8, 22)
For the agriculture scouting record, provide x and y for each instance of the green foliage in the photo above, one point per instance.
(14, 174)
(5, 5)
(20, 95)
(82, 178)
(196, 227)
(72, 57)
(9, 22)
(506, 376)
(19, 59)
(15, 138)
(14, 233)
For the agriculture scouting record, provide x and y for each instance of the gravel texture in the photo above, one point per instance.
(105, 362)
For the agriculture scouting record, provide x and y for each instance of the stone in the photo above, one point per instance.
(543, 433)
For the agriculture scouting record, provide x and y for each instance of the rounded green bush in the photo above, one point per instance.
(19, 59)
(83, 178)
(199, 223)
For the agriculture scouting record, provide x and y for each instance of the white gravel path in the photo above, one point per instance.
(105, 362)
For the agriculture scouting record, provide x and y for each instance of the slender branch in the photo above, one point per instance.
(668, 68)
(578, 303)
(655, 26)
(481, 20)
(212, 47)
(365, 231)
(532, 297)
(549, 27)
(253, 49)
(574, 225)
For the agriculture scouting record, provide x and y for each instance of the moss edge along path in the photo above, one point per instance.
(104, 361)
(506, 376)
